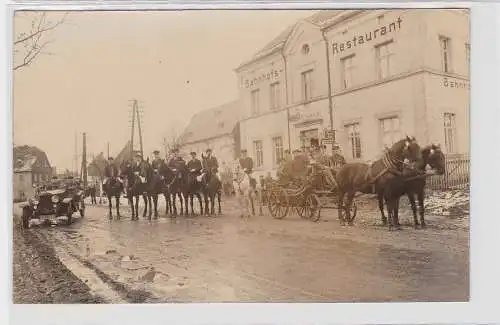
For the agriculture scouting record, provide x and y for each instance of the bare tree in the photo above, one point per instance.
(171, 141)
(34, 39)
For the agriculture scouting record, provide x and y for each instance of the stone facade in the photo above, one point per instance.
(374, 75)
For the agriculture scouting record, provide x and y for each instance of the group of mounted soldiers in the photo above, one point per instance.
(174, 161)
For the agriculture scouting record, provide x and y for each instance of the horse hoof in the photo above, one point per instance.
(423, 226)
(350, 223)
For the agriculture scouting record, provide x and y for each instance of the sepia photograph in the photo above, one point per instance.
(186, 156)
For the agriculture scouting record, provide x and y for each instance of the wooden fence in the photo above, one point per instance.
(456, 175)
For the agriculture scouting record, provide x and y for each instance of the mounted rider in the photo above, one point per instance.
(246, 164)
(140, 166)
(110, 171)
(194, 165)
(210, 164)
(177, 162)
(320, 162)
(157, 162)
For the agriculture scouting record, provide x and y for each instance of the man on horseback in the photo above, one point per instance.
(246, 164)
(157, 162)
(110, 171)
(194, 165)
(210, 164)
(321, 163)
(176, 162)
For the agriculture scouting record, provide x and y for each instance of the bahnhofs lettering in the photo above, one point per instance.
(367, 37)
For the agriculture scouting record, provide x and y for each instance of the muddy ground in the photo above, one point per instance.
(39, 276)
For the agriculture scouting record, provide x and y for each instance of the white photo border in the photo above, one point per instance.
(484, 231)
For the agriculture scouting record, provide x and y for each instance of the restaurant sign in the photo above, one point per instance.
(301, 115)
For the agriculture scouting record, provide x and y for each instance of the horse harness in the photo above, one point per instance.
(389, 167)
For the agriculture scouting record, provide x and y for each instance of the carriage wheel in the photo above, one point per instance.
(313, 208)
(301, 210)
(278, 204)
(354, 211)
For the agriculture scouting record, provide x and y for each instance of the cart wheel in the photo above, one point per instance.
(69, 213)
(313, 208)
(25, 218)
(354, 211)
(278, 204)
(301, 211)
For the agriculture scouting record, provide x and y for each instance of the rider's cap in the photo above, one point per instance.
(243, 150)
(208, 150)
(193, 152)
(110, 158)
(287, 151)
(174, 150)
(156, 152)
(314, 142)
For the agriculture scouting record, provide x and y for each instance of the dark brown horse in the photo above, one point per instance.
(113, 188)
(414, 184)
(212, 188)
(357, 177)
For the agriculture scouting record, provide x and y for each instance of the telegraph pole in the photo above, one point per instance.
(136, 114)
(84, 161)
(139, 128)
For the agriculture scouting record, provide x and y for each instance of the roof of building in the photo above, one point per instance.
(24, 157)
(320, 18)
(211, 123)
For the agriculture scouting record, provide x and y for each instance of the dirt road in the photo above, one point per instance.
(230, 259)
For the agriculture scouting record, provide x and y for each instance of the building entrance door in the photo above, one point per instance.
(306, 136)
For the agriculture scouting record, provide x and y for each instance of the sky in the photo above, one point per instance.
(175, 63)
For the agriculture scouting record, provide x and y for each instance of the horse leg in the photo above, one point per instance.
(396, 213)
(218, 201)
(117, 200)
(207, 210)
(150, 204)
(198, 196)
(411, 198)
(340, 207)
(147, 205)
(380, 197)
(110, 205)
(252, 203)
(173, 196)
(390, 209)
(350, 198)
(420, 197)
(191, 199)
(137, 198)
(155, 205)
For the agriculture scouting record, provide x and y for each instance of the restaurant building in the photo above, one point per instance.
(372, 76)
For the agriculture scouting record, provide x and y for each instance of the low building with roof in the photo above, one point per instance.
(31, 166)
(216, 128)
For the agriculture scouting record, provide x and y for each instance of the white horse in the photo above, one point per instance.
(245, 194)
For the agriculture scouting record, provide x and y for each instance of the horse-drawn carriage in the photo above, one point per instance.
(306, 195)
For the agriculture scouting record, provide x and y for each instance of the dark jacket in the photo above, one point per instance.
(211, 164)
(178, 164)
(111, 170)
(194, 166)
(157, 163)
(246, 163)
